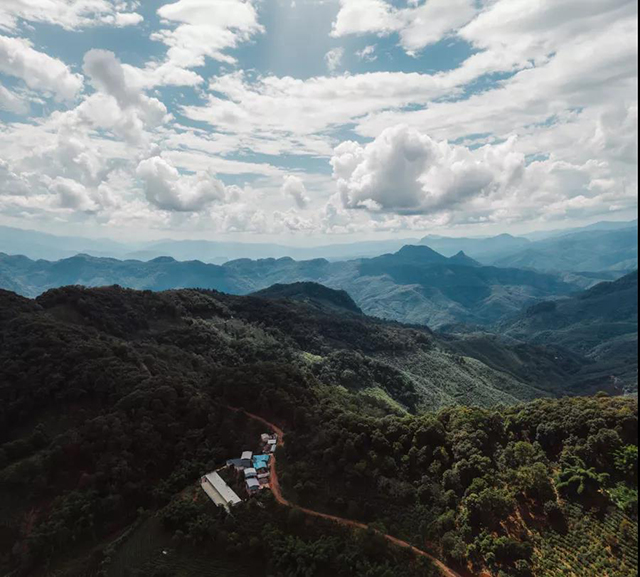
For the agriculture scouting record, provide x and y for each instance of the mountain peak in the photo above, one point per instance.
(463, 259)
(421, 253)
(163, 260)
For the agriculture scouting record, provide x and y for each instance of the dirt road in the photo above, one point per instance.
(277, 493)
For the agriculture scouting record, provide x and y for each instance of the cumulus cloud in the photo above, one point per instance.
(167, 189)
(292, 221)
(406, 172)
(118, 105)
(294, 188)
(73, 195)
(37, 70)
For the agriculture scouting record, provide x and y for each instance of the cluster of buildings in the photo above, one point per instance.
(255, 471)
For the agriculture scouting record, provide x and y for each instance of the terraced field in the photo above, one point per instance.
(579, 551)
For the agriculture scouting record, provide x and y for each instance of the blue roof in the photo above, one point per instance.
(261, 461)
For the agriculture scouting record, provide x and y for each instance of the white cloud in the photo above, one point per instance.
(37, 70)
(73, 195)
(69, 14)
(405, 172)
(195, 30)
(271, 109)
(333, 58)
(596, 69)
(292, 221)
(368, 54)
(118, 106)
(418, 26)
(553, 136)
(167, 189)
(11, 102)
(365, 16)
(294, 188)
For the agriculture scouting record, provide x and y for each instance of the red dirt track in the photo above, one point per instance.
(277, 493)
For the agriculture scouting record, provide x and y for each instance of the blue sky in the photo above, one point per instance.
(316, 121)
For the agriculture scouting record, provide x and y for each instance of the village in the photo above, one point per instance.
(250, 474)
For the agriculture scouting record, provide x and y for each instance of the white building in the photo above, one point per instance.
(219, 492)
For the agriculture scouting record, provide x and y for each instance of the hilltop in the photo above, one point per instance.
(312, 293)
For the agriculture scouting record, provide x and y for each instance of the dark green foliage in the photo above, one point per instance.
(599, 324)
(576, 479)
(114, 401)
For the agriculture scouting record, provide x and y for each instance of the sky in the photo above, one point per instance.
(312, 121)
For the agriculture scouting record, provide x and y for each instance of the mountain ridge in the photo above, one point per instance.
(416, 285)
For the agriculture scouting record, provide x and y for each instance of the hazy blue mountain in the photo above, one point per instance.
(32, 278)
(591, 250)
(415, 285)
(483, 249)
(492, 250)
(596, 226)
(40, 245)
(37, 245)
(209, 251)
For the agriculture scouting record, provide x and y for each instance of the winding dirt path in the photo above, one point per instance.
(277, 493)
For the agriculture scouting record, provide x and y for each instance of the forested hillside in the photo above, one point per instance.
(114, 403)
(600, 324)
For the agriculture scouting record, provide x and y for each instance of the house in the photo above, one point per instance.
(236, 464)
(218, 491)
(261, 462)
(250, 473)
(246, 459)
(253, 486)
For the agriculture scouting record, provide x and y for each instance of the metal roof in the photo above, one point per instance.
(223, 489)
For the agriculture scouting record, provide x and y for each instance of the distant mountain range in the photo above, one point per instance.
(605, 247)
(38, 245)
(615, 250)
(414, 285)
(535, 250)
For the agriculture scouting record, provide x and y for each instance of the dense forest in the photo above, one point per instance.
(115, 402)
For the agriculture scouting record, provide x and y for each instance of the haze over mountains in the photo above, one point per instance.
(414, 285)
(490, 250)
